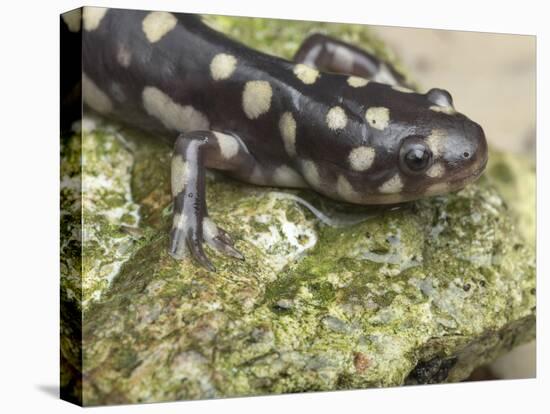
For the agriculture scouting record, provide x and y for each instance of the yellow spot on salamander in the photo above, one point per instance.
(336, 118)
(361, 158)
(73, 20)
(436, 142)
(357, 82)
(256, 98)
(92, 16)
(392, 186)
(287, 127)
(94, 97)
(287, 177)
(157, 24)
(346, 191)
(311, 173)
(229, 146)
(181, 118)
(378, 117)
(306, 74)
(436, 171)
(222, 66)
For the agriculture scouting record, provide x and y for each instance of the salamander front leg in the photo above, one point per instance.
(191, 225)
(333, 55)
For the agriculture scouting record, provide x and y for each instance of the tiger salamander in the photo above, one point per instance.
(335, 119)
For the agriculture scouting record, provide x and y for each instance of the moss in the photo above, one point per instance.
(386, 302)
(514, 177)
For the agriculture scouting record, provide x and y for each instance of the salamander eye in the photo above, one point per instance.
(414, 156)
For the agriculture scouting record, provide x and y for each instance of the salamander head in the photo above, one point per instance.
(412, 145)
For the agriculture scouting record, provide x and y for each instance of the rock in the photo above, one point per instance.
(421, 294)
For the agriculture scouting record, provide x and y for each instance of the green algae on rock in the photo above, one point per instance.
(108, 209)
(420, 294)
(514, 177)
(96, 205)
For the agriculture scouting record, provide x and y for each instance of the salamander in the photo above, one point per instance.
(335, 119)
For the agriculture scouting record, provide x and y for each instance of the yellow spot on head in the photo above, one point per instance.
(287, 127)
(306, 74)
(361, 158)
(222, 66)
(392, 186)
(94, 97)
(436, 142)
(378, 117)
(436, 171)
(357, 82)
(181, 118)
(256, 98)
(92, 16)
(157, 24)
(72, 19)
(336, 118)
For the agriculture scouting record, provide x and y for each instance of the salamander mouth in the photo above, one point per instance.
(478, 171)
(452, 184)
(461, 182)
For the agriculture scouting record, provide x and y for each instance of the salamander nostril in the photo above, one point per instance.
(466, 154)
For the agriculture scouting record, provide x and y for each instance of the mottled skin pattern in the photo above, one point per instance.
(364, 139)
